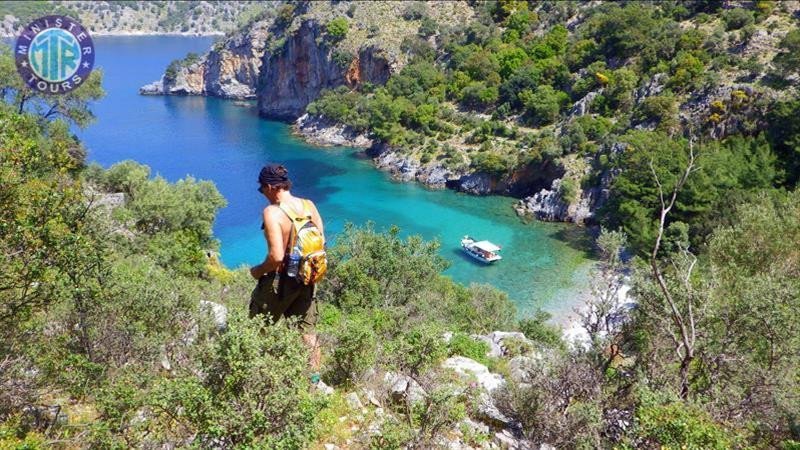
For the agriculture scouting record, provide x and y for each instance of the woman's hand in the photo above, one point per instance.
(255, 272)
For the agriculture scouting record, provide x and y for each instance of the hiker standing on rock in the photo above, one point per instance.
(295, 259)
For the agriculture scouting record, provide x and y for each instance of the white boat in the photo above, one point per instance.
(483, 251)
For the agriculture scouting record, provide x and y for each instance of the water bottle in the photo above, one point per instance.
(294, 263)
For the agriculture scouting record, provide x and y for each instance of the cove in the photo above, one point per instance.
(544, 265)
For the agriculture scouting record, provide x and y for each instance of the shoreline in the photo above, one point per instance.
(330, 135)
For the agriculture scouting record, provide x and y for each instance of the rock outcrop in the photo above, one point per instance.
(229, 70)
(324, 132)
(294, 75)
(556, 204)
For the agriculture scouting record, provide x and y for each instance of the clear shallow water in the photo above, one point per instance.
(544, 264)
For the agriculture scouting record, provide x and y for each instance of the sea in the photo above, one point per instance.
(544, 265)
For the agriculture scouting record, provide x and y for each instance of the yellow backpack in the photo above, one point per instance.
(310, 243)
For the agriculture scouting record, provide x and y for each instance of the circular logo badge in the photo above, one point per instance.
(54, 54)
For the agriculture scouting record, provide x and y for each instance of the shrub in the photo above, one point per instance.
(419, 348)
(737, 18)
(488, 162)
(337, 28)
(254, 392)
(536, 329)
(543, 105)
(428, 27)
(355, 349)
(675, 424)
(569, 190)
(462, 344)
(415, 10)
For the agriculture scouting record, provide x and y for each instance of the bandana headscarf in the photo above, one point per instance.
(273, 174)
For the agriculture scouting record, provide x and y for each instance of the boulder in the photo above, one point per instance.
(353, 401)
(506, 440)
(479, 183)
(43, 417)
(403, 387)
(487, 412)
(581, 107)
(469, 368)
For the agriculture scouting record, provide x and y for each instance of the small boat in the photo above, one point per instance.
(483, 251)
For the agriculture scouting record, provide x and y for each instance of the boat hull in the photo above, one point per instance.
(478, 257)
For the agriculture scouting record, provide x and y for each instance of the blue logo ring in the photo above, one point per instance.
(54, 54)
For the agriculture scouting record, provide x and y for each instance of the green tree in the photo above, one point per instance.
(788, 61)
(544, 105)
(337, 28)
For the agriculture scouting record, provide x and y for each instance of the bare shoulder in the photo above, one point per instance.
(272, 213)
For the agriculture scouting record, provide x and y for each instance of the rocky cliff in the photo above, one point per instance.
(295, 75)
(229, 70)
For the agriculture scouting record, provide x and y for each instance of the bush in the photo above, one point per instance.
(462, 344)
(737, 18)
(675, 424)
(354, 350)
(254, 392)
(415, 10)
(490, 163)
(543, 105)
(536, 329)
(337, 28)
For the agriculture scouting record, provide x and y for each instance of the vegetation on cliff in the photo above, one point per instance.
(135, 17)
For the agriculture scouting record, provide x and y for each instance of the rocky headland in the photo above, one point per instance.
(288, 57)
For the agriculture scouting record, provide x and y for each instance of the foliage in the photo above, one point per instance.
(254, 391)
(544, 104)
(673, 424)
(788, 61)
(537, 329)
(737, 18)
(461, 344)
(44, 225)
(558, 403)
(337, 28)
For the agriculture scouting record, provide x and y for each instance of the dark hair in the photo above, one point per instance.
(276, 176)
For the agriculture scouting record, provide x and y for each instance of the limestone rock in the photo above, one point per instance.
(507, 439)
(320, 131)
(402, 387)
(294, 76)
(218, 312)
(43, 417)
(320, 386)
(469, 368)
(353, 401)
(495, 351)
(479, 183)
(581, 107)
(154, 88)
(488, 413)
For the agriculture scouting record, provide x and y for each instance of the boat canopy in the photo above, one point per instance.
(486, 246)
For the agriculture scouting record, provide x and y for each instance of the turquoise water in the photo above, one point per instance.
(544, 264)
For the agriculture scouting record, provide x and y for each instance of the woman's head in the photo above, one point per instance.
(274, 177)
